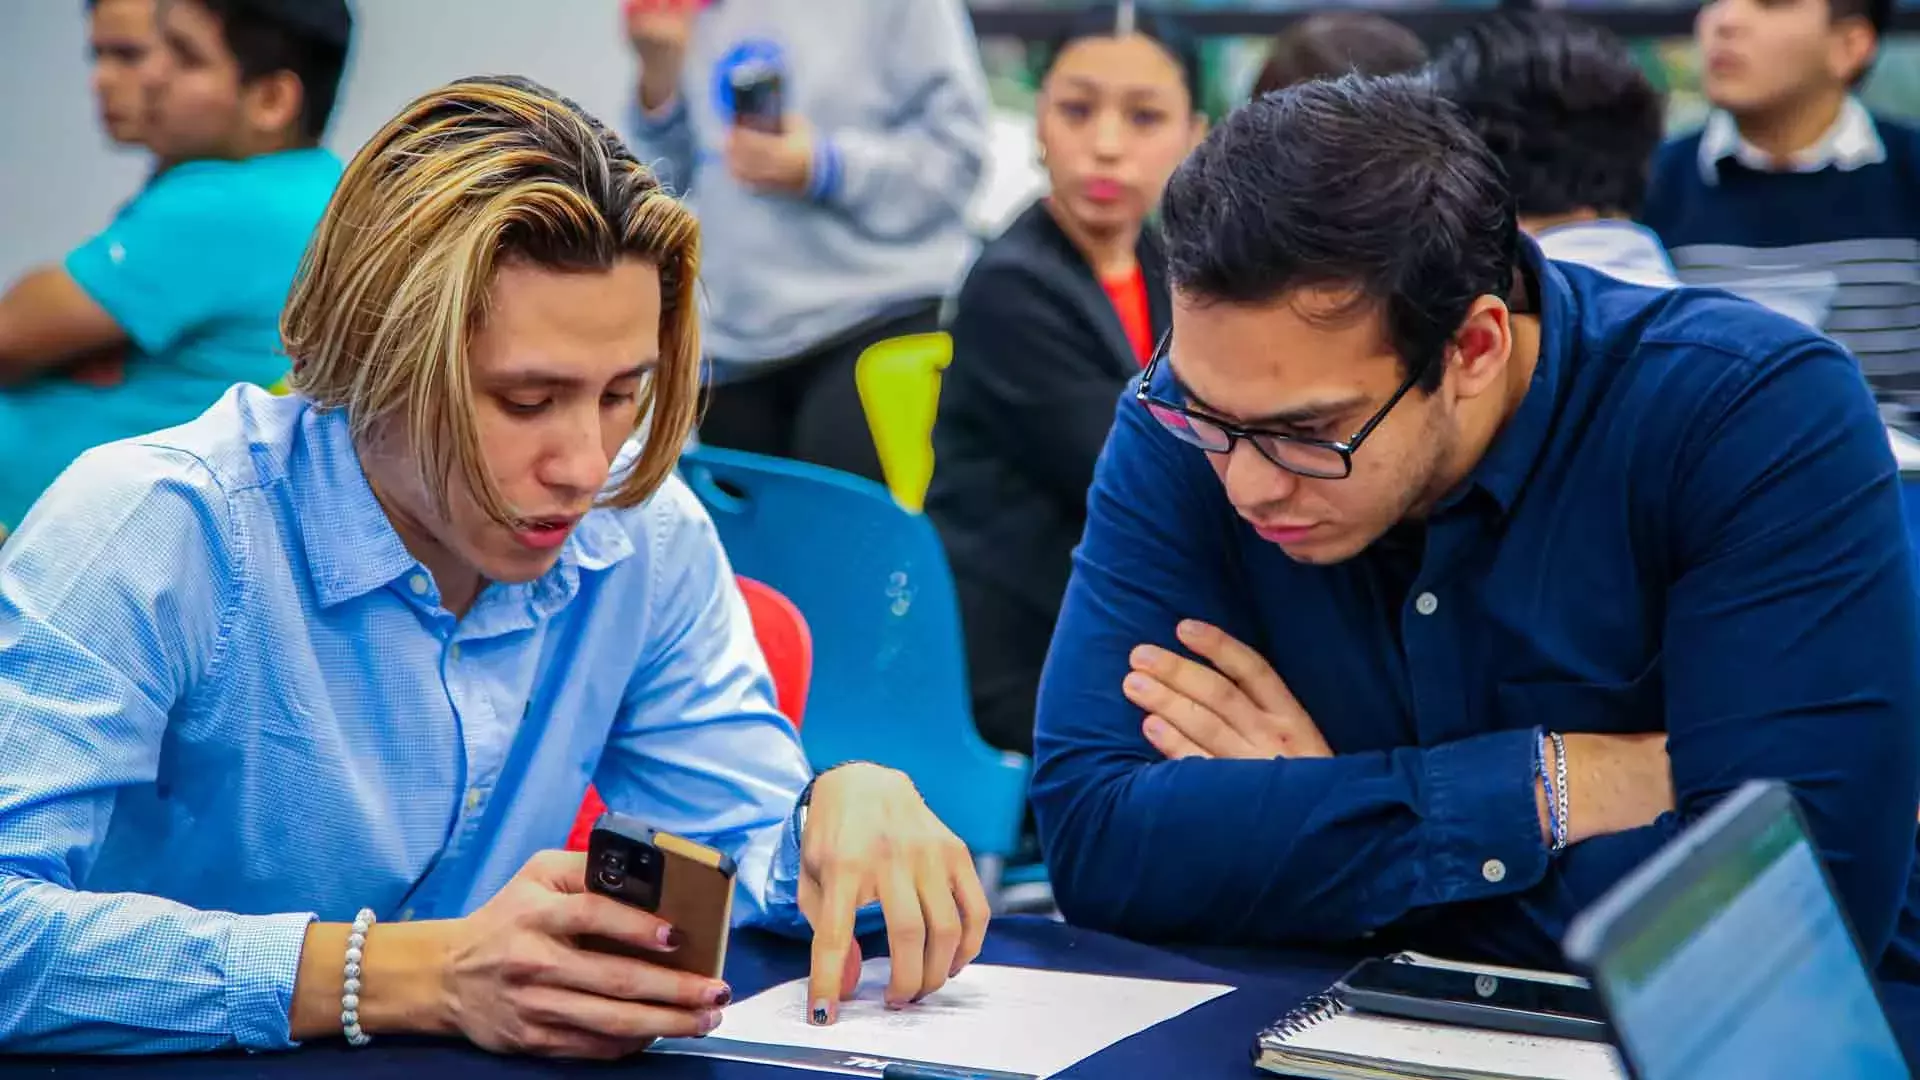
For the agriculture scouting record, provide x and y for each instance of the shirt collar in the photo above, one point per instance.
(1508, 464)
(351, 546)
(1852, 142)
(1619, 249)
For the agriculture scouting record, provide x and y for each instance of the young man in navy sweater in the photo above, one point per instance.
(1492, 530)
(1793, 194)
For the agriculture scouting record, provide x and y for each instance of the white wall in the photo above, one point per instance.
(60, 181)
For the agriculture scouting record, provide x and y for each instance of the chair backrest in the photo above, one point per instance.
(783, 636)
(899, 384)
(786, 641)
(889, 679)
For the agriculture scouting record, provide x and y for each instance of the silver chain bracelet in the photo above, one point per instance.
(1559, 791)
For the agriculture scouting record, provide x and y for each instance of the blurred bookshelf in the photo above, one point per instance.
(1235, 34)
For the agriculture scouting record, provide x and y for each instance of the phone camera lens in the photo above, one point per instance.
(611, 880)
(614, 860)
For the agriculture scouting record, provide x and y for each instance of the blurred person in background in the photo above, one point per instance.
(1335, 43)
(835, 217)
(120, 33)
(1793, 194)
(1575, 124)
(1058, 313)
(186, 284)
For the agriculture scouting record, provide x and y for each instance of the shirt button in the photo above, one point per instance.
(407, 915)
(1426, 603)
(418, 583)
(473, 798)
(1494, 871)
(454, 654)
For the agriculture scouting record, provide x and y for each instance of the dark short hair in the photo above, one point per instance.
(1372, 184)
(1878, 13)
(1562, 104)
(1336, 43)
(1102, 20)
(307, 37)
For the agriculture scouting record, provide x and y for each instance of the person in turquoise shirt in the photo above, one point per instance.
(143, 326)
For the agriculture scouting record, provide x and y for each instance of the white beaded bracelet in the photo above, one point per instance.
(350, 990)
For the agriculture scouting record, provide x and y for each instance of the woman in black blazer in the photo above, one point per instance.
(1056, 315)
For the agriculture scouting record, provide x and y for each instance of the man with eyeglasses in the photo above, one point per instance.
(1428, 586)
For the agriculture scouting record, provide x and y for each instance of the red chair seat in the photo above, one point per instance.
(783, 636)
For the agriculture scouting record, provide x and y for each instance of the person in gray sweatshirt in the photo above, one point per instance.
(831, 204)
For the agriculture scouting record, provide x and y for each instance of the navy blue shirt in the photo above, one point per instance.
(1691, 524)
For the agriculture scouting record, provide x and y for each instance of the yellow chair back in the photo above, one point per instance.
(899, 384)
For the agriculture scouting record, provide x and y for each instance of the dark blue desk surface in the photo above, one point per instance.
(1211, 1041)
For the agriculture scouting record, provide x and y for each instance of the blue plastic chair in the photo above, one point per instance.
(889, 667)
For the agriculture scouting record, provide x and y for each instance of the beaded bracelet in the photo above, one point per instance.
(350, 990)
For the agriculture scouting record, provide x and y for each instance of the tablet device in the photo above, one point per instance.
(1727, 954)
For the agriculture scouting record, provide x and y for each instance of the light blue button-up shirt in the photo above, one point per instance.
(231, 702)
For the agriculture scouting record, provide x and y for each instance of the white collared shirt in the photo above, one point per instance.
(1851, 142)
(1619, 249)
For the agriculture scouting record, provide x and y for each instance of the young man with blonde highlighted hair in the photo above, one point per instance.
(293, 697)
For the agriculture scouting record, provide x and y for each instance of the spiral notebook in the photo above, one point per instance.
(1323, 1039)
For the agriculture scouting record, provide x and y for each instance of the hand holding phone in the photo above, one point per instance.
(515, 978)
(685, 883)
(758, 101)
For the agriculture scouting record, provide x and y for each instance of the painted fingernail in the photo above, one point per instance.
(722, 996)
(671, 937)
(822, 1013)
(709, 1021)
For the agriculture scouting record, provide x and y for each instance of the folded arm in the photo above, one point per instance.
(1244, 851)
(47, 321)
(1788, 646)
(1790, 636)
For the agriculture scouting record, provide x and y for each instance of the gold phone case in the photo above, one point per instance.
(696, 898)
(695, 893)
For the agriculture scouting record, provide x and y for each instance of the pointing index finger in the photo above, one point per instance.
(832, 938)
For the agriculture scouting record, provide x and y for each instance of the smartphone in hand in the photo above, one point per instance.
(686, 883)
(757, 99)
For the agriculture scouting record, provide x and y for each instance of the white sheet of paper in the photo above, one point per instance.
(1021, 1020)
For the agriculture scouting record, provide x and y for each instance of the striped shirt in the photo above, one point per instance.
(1831, 237)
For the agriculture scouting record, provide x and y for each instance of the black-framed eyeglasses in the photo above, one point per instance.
(1319, 459)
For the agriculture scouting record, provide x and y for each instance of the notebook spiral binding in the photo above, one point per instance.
(1317, 1009)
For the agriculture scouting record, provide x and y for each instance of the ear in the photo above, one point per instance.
(1481, 348)
(271, 104)
(1851, 45)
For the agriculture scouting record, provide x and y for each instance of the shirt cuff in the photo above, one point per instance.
(1483, 823)
(828, 168)
(783, 889)
(262, 964)
(654, 122)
